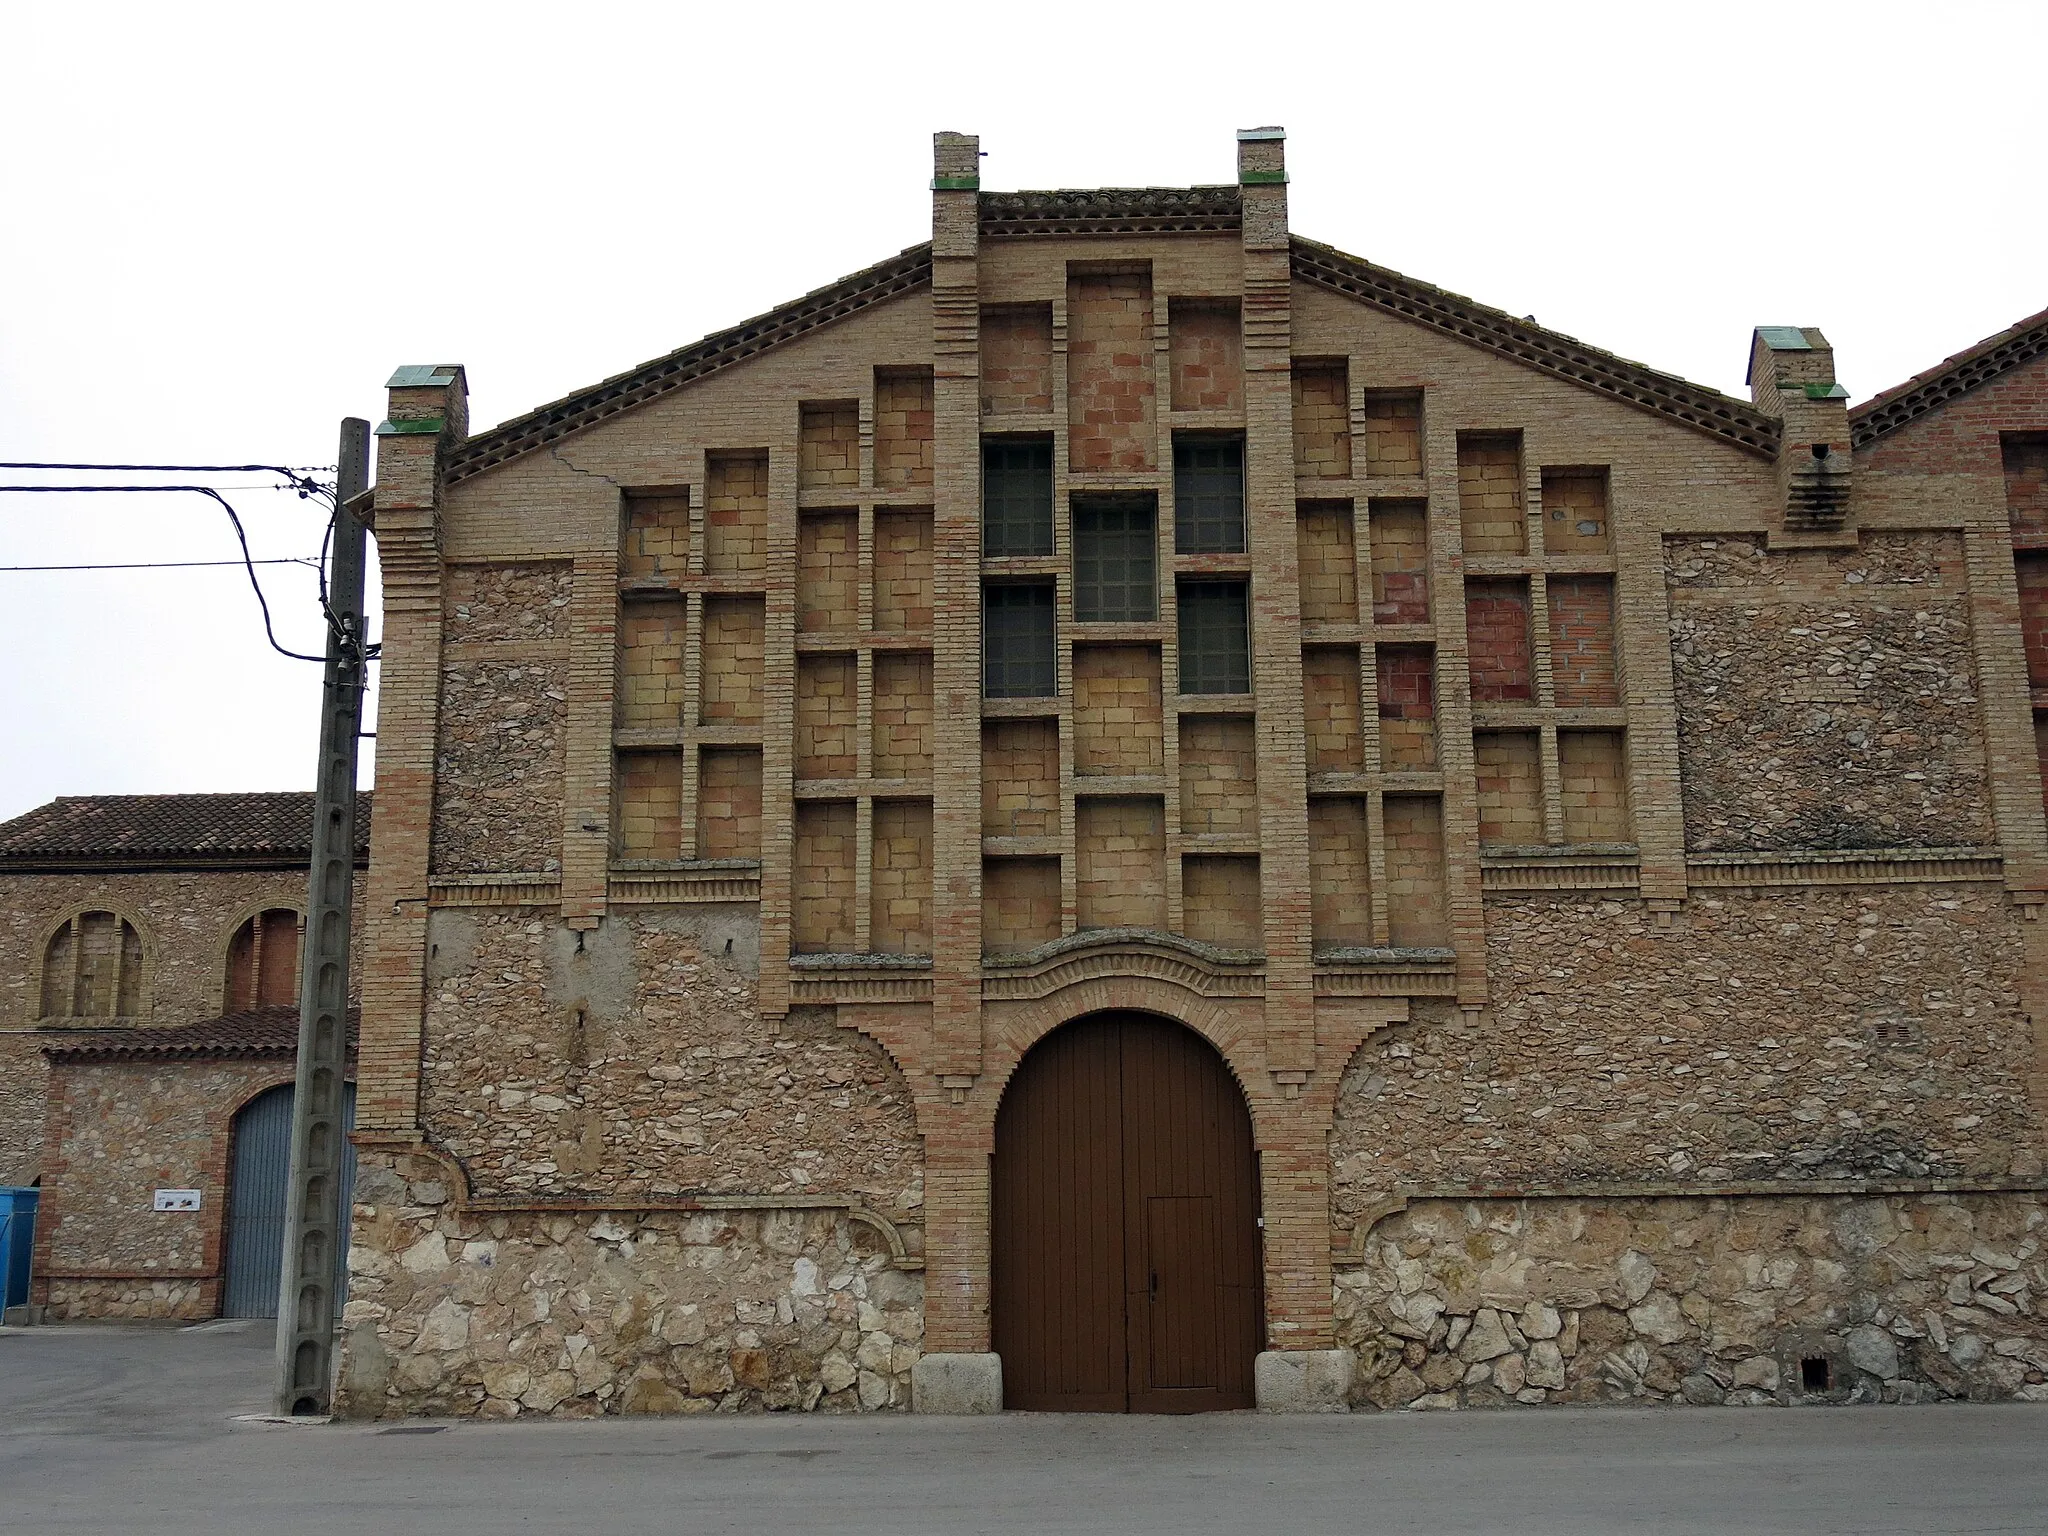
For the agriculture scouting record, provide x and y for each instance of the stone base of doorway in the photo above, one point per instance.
(1303, 1380)
(957, 1384)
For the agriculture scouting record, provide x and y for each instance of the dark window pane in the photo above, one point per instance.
(1016, 641)
(1208, 496)
(1016, 497)
(1215, 637)
(1115, 557)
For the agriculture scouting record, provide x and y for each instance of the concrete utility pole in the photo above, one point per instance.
(315, 1201)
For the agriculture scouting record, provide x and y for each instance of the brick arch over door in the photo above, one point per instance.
(1125, 1208)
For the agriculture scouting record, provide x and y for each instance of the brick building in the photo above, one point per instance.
(1126, 810)
(149, 949)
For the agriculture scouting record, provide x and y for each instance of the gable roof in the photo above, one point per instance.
(1662, 394)
(1128, 211)
(257, 1033)
(264, 827)
(1952, 376)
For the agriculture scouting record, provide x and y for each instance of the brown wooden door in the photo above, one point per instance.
(1126, 1252)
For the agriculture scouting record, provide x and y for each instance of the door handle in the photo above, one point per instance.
(1153, 1294)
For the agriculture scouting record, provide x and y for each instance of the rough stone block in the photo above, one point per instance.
(948, 1383)
(1303, 1380)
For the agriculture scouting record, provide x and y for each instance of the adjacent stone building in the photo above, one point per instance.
(1124, 809)
(149, 962)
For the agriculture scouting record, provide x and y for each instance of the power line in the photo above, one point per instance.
(304, 488)
(165, 565)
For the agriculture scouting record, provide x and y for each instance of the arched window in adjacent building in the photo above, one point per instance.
(263, 962)
(92, 969)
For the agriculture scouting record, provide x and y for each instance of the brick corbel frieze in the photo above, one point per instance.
(429, 412)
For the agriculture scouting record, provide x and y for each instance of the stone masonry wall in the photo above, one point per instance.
(459, 1312)
(504, 704)
(121, 1131)
(638, 1066)
(185, 920)
(1809, 1034)
(1827, 699)
(1748, 1301)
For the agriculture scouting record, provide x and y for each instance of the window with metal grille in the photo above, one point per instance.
(1016, 640)
(1215, 637)
(1016, 496)
(1116, 557)
(1208, 495)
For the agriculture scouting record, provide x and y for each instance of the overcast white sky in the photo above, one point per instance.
(225, 225)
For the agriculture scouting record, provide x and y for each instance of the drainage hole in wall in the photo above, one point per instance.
(414, 1429)
(1815, 1374)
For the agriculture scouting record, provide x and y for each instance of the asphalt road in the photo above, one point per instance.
(132, 1429)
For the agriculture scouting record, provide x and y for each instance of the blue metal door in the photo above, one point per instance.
(17, 1243)
(256, 1202)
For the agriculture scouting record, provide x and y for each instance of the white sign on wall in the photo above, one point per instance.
(177, 1200)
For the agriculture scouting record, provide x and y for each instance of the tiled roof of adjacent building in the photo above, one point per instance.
(1132, 210)
(257, 1034)
(266, 827)
(1924, 392)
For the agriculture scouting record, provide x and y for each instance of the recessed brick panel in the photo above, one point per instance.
(1582, 659)
(651, 640)
(824, 876)
(735, 645)
(1399, 535)
(900, 881)
(1509, 769)
(1497, 632)
(1020, 779)
(1393, 434)
(1490, 494)
(1340, 872)
(1020, 904)
(828, 445)
(2032, 571)
(1329, 563)
(903, 715)
(1118, 720)
(1407, 707)
(657, 538)
(1120, 850)
(1331, 709)
(651, 804)
(1593, 780)
(905, 446)
(827, 716)
(1016, 360)
(1415, 871)
(1206, 353)
(736, 514)
(1219, 775)
(1322, 421)
(903, 570)
(2025, 456)
(1575, 512)
(729, 803)
(1110, 385)
(828, 571)
(1220, 901)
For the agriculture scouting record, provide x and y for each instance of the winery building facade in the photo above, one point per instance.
(1125, 810)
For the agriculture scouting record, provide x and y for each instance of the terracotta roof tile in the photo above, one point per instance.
(257, 825)
(258, 1033)
(1952, 376)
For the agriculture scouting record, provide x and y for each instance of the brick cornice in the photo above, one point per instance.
(1953, 376)
(1661, 394)
(886, 280)
(1112, 211)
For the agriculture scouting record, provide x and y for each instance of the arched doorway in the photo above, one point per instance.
(259, 1177)
(1125, 1224)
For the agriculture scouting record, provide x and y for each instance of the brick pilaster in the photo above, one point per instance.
(429, 411)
